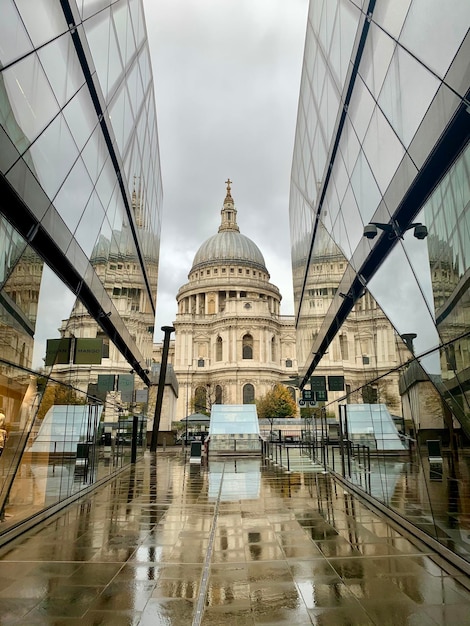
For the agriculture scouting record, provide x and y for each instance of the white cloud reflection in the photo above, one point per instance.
(54, 305)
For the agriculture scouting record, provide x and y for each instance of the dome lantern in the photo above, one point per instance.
(229, 245)
(229, 212)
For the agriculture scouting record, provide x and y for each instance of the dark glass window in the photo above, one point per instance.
(247, 347)
(248, 394)
(218, 349)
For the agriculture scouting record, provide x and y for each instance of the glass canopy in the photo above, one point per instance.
(234, 419)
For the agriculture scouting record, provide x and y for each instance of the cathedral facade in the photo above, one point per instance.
(231, 343)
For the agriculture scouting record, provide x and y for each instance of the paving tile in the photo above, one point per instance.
(340, 616)
(132, 552)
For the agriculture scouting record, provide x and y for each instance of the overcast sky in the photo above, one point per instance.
(227, 76)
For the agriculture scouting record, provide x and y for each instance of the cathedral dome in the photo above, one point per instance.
(229, 245)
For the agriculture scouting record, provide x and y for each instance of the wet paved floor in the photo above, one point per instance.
(236, 543)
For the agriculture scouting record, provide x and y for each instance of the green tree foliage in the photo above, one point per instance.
(58, 394)
(276, 403)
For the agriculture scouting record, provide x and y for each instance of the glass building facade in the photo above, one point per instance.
(380, 230)
(80, 217)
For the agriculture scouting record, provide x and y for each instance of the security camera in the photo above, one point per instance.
(370, 231)
(420, 231)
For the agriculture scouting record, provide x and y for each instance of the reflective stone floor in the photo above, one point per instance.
(235, 543)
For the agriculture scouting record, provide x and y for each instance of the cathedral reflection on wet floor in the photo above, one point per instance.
(234, 543)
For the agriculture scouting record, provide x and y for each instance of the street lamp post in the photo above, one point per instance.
(187, 406)
(161, 387)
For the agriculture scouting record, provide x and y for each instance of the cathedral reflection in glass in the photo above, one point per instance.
(80, 215)
(379, 212)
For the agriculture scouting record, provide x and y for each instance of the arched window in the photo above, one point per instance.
(248, 394)
(273, 349)
(200, 400)
(218, 394)
(292, 392)
(218, 349)
(288, 362)
(248, 347)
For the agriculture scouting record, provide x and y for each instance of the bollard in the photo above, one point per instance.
(135, 426)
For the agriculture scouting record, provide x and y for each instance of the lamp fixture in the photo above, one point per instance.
(408, 338)
(394, 230)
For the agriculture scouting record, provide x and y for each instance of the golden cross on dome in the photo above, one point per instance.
(228, 183)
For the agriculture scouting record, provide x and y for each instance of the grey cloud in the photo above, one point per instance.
(227, 80)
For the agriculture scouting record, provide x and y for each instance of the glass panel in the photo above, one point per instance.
(135, 88)
(332, 203)
(74, 194)
(56, 140)
(88, 8)
(121, 117)
(115, 72)
(73, 430)
(403, 300)
(349, 145)
(434, 33)
(411, 354)
(97, 30)
(368, 421)
(376, 58)
(382, 149)
(123, 27)
(105, 186)
(44, 20)
(365, 189)
(340, 177)
(327, 24)
(403, 104)
(62, 67)
(14, 40)
(30, 96)
(90, 224)
(360, 109)
(81, 117)
(354, 225)
(349, 16)
(332, 100)
(115, 211)
(233, 420)
(18, 297)
(391, 15)
(95, 154)
(54, 305)
(57, 229)
(137, 15)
